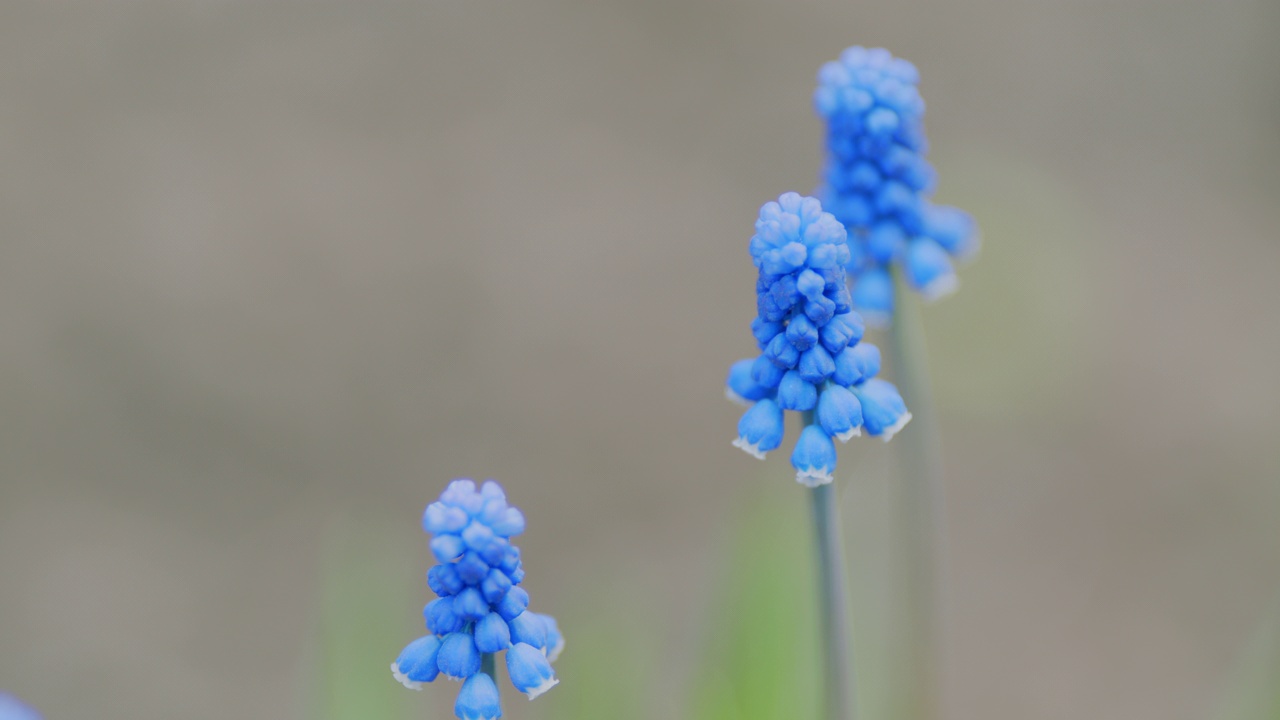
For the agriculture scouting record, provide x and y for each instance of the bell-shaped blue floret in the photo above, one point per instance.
(440, 617)
(839, 413)
(530, 670)
(495, 586)
(478, 699)
(814, 457)
(470, 605)
(928, 269)
(816, 365)
(471, 568)
(513, 603)
(760, 429)
(765, 373)
(856, 363)
(740, 387)
(782, 352)
(416, 664)
(843, 330)
(528, 628)
(796, 393)
(492, 634)
(873, 297)
(443, 580)
(458, 658)
(801, 332)
(883, 411)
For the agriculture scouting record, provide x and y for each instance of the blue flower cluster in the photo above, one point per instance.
(877, 182)
(811, 359)
(11, 708)
(481, 609)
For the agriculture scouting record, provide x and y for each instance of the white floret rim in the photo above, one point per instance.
(752, 449)
(545, 686)
(849, 434)
(813, 477)
(404, 679)
(893, 429)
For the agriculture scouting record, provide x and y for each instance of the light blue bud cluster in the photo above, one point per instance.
(481, 609)
(11, 708)
(812, 359)
(877, 182)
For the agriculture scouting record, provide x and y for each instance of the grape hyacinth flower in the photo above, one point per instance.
(11, 708)
(812, 359)
(481, 610)
(877, 182)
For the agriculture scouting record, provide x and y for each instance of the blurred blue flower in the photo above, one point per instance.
(11, 708)
(481, 610)
(877, 182)
(812, 359)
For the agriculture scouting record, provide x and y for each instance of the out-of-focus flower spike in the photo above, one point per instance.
(11, 708)
(928, 269)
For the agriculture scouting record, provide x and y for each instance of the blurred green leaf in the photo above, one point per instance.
(1254, 691)
(362, 625)
(761, 658)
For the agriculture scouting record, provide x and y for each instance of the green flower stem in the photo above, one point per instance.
(918, 521)
(838, 677)
(488, 666)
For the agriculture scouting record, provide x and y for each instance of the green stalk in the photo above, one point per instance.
(918, 518)
(488, 666)
(838, 676)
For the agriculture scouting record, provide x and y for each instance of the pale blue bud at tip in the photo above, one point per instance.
(478, 699)
(928, 269)
(839, 413)
(528, 628)
(760, 429)
(883, 411)
(447, 548)
(740, 387)
(458, 658)
(873, 297)
(11, 708)
(415, 665)
(814, 457)
(530, 670)
(492, 634)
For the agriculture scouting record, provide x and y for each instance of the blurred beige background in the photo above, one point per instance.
(268, 269)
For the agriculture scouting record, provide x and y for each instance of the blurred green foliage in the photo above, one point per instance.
(1254, 691)
(762, 653)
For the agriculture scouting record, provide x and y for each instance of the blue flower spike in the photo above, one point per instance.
(878, 183)
(481, 610)
(812, 359)
(11, 708)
